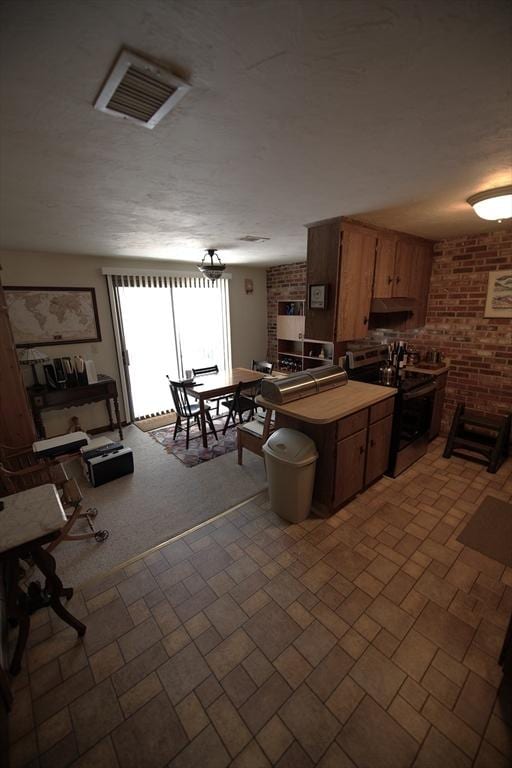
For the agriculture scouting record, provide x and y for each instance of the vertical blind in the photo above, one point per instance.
(169, 324)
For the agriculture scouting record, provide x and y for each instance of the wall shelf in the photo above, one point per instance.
(293, 350)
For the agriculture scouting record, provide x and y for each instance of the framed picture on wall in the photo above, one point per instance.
(44, 316)
(499, 294)
(318, 296)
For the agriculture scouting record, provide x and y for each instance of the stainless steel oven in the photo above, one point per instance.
(411, 424)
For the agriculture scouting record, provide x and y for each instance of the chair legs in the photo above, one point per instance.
(210, 422)
(178, 427)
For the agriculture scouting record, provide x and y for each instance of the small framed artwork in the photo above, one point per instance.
(499, 294)
(318, 296)
(41, 316)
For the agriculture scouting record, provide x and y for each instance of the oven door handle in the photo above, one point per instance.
(426, 390)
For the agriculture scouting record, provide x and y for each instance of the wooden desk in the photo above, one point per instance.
(46, 399)
(222, 383)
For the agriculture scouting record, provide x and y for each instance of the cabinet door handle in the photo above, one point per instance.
(365, 320)
(372, 443)
(361, 450)
(397, 279)
(390, 279)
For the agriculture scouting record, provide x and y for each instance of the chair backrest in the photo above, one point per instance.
(262, 366)
(29, 476)
(205, 371)
(180, 398)
(238, 394)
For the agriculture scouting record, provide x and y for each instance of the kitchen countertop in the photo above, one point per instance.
(432, 371)
(333, 404)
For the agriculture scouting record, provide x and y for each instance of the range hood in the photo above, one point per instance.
(393, 304)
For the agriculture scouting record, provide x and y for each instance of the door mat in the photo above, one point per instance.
(490, 530)
(155, 422)
(195, 454)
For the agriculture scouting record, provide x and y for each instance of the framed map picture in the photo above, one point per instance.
(499, 294)
(43, 316)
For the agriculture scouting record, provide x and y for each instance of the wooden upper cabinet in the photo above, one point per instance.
(357, 264)
(419, 283)
(16, 423)
(384, 279)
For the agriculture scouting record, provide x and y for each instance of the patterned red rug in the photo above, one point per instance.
(195, 454)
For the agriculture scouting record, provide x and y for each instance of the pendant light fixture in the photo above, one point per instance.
(493, 204)
(211, 271)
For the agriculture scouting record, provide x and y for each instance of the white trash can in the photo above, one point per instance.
(290, 459)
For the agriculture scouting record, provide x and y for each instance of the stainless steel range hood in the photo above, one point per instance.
(393, 304)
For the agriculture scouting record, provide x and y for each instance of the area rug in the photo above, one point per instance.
(155, 422)
(195, 453)
(490, 530)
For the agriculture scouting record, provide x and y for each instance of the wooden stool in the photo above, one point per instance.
(487, 436)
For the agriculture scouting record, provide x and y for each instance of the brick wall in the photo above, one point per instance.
(478, 349)
(286, 281)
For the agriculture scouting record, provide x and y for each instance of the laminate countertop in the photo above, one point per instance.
(333, 404)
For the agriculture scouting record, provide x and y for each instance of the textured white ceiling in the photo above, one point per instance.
(393, 111)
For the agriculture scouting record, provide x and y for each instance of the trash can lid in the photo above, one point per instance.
(291, 446)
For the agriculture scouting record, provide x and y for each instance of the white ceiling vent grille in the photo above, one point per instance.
(140, 91)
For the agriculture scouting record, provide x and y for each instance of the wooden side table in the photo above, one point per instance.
(45, 399)
(29, 520)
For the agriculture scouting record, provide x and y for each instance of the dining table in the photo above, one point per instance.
(212, 386)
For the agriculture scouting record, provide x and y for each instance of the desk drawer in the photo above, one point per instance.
(382, 409)
(351, 424)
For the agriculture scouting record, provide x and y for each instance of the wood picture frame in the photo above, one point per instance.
(499, 294)
(43, 316)
(318, 296)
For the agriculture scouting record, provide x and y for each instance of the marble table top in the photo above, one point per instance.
(27, 515)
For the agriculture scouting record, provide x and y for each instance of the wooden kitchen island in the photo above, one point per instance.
(351, 427)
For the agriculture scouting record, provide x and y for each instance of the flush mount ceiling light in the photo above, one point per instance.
(493, 204)
(211, 271)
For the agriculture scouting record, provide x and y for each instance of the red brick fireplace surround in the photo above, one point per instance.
(478, 349)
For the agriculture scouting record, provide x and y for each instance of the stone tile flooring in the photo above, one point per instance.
(368, 639)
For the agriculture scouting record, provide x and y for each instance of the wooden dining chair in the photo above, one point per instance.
(21, 469)
(205, 371)
(239, 404)
(187, 411)
(252, 435)
(209, 370)
(262, 366)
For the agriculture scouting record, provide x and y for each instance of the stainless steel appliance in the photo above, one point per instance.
(413, 403)
(303, 384)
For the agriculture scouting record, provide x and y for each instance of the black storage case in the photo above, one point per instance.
(109, 463)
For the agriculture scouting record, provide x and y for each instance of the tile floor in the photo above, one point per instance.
(369, 639)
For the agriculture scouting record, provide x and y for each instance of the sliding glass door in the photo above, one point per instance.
(167, 325)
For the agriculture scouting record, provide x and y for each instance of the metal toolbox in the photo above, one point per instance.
(303, 384)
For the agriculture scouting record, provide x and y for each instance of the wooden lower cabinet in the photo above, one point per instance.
(361, 458)
(353, 452)
(350, 466)
(377, 454)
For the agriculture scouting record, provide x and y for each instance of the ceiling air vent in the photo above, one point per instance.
(140, 91)
(254, 239)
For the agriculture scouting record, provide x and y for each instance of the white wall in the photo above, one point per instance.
(248, 314)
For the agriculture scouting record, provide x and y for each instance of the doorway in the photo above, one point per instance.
(168, 325)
